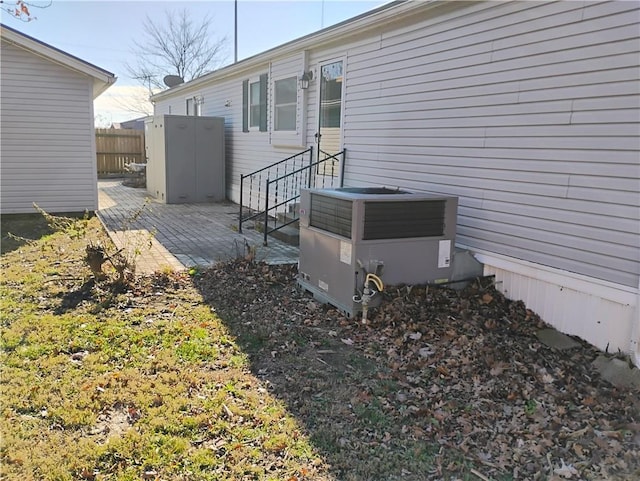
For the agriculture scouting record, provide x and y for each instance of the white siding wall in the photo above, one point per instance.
(529, 112)
(47, 144)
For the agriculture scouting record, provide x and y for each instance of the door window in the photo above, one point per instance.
(330, 118)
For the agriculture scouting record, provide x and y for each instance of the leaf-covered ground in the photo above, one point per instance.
(437, 383)
(236, 373)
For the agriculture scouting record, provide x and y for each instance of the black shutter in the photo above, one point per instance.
(263, 102)
(245, 106)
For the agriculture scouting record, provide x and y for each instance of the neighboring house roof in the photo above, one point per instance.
(102, 79)
(355, 25)
(133, 124)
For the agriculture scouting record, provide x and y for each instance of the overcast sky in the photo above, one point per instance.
(102, 32)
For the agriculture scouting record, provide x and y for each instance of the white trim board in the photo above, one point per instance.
(589, 285)
(600, 312)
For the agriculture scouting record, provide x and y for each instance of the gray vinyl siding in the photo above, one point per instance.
(529, 112)
(46, 146)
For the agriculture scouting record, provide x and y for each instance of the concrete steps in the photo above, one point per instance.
(290, 233)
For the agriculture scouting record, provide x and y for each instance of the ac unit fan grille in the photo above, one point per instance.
(400, 220)
(331, 214)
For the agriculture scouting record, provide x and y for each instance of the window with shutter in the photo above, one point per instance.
(254, 104)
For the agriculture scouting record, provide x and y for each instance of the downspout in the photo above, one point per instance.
(634, 345)
(304, 98)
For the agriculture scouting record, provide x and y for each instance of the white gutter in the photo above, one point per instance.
(354, 26)
(99, 85)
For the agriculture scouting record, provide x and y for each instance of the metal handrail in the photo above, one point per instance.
(299, 155)
(275, 164)
(306, 167)
(291, 185)
(268, 208)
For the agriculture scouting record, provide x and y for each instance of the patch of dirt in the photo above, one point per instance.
(438, 382)
(114, 422)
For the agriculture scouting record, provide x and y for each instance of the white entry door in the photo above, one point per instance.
(329, 135)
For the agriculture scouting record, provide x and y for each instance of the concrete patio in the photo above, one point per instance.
(179, 236)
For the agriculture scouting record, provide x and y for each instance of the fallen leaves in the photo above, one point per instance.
(498, 368)
(461, 370)
(486, 298)
(567, 471)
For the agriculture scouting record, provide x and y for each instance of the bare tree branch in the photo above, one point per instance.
(21, 9)
(180, 46)
(136, 103)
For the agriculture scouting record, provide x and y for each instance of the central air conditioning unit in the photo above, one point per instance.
(347, 234)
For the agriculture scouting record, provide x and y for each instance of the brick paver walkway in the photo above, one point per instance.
(180, 235)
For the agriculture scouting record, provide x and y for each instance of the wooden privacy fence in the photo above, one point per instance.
(116, 148)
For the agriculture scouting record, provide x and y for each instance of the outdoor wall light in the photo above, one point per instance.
(227, 103)
(305, 78)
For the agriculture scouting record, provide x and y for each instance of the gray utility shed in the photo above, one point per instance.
(185, 158)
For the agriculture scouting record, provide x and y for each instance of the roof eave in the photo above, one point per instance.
(99, 86)
(361, 23)
(103, 79)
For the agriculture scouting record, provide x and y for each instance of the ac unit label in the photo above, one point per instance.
(444, 254)
(345, 252)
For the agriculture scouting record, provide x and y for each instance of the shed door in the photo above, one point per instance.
(180, 136)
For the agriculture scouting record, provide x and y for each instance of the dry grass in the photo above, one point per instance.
(143, 382)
